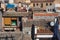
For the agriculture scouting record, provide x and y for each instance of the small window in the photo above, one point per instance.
(41, 5)
(50, 3)
(21, 5)
(6, 1)
(48, 9)
(37, 4)
(14, 22)
(6, 22)
(34, 5)
(53, 10)
(46, 4)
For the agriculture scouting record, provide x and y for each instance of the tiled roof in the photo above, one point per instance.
(42, 1)
(37, 23)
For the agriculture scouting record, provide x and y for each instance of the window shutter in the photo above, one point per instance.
(7, 21)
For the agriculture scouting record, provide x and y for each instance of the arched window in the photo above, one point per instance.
(46, 4)
(37, 4)
(41, 5)
(34, 5)
(50, 3)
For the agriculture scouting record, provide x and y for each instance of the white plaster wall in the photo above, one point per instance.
(35, 30)
(11, 1)
(57, 5)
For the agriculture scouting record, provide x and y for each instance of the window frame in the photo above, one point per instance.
(41, 5)
(46, 4)
(7, 23)
(50, 4)
(10, 22)
(13, 20)
(33, 4)
(37, 4)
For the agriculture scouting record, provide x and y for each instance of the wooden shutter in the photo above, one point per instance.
(7, 21)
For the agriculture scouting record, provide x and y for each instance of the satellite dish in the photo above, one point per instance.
(52, 23)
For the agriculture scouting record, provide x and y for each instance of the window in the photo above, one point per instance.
(50, 9)
(54, 10)
(6, 1)
(46, 4)
(41, 5)
(34, 5)
(13, 22)
(50, 3)
(21, 5)
(7, 21)
(10, 21)
(37, 4)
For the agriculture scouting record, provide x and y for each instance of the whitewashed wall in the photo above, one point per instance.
(11, 1)
(57, 5)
